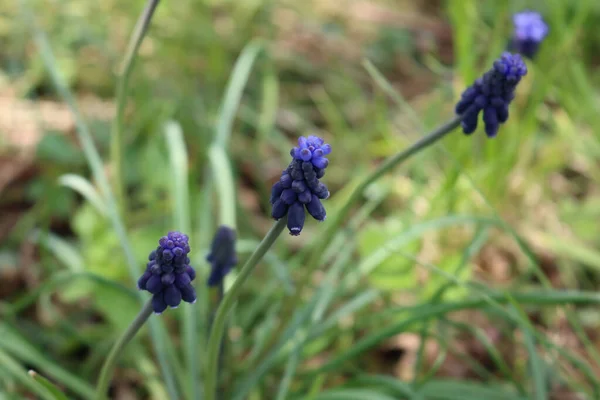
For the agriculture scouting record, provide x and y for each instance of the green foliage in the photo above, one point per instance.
(467, 247)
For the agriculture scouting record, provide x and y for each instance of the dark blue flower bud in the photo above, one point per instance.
(158, 303)
(172, 296)
(191, 272)
(276, 192)
(222, 255)
(286, 180)
(305, 196)
(154, 284)
(296, 218)
(188, 294)
(288, 196)
(315, 209)
(279, 209)
(143, 280)
(182, 280)
(491, 94)
(299, 186)
(168, 279)
(168, 272)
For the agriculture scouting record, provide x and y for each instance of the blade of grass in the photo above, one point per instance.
(235, 88)
(178, 158)
(419, 313)
(82, 186)
(11, 367)
(13, 343)
(56, 392)
(394, 385)
(536, 365)
(95, 163)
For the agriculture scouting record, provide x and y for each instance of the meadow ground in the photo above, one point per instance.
(471, 271)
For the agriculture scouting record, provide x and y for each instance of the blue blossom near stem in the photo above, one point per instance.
(299, 189)
(222, 256)
(168, 274)
(492, 94)
(530, 31)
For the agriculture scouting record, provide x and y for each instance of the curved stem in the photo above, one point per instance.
(109, 364)
(218, 328)
(382, 169)
(117, 141)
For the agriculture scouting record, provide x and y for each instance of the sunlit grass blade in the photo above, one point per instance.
(233, 93)
(423, 312)
(457, 390)
(57, 394)
(392, 385)
(178, 159)
(13, 343)
(95, 163)
(84, 187)
(353, 394)
(61, 249)
(9, 367)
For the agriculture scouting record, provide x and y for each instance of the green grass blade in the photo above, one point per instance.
(95, 163)
(11, 367)
(353, 394)
(178, 159)
(457, 390)
(223, 180)
(235, 88)
(57, 394)
(13, 343)
(84, 187)
(394, 385)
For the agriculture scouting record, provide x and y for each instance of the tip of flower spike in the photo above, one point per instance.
(511, 66)
(530, 25)
(313, 149)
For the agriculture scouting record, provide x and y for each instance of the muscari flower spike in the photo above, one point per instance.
(168, 274)
(299, 187)
(222, 256)
(530, 31)
(492, 94)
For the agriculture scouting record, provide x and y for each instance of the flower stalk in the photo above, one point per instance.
(108, 367)
(218, 326)
(117, 139)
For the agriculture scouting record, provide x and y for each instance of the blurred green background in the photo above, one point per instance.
(470, 272)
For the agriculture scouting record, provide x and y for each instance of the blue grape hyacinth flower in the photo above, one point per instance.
(530, 31)
(492, 94)
(222, 256)
(299, 189)
(168, 274)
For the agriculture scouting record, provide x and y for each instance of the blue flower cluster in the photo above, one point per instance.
(222, 256)
(530, 31)
(299, 186)
(168, 274)
(491, 94)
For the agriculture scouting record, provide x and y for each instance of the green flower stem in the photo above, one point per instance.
(386, 166)
(117, 140)
(218, 328)
(110, 362)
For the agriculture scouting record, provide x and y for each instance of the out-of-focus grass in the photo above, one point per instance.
(464, 250)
